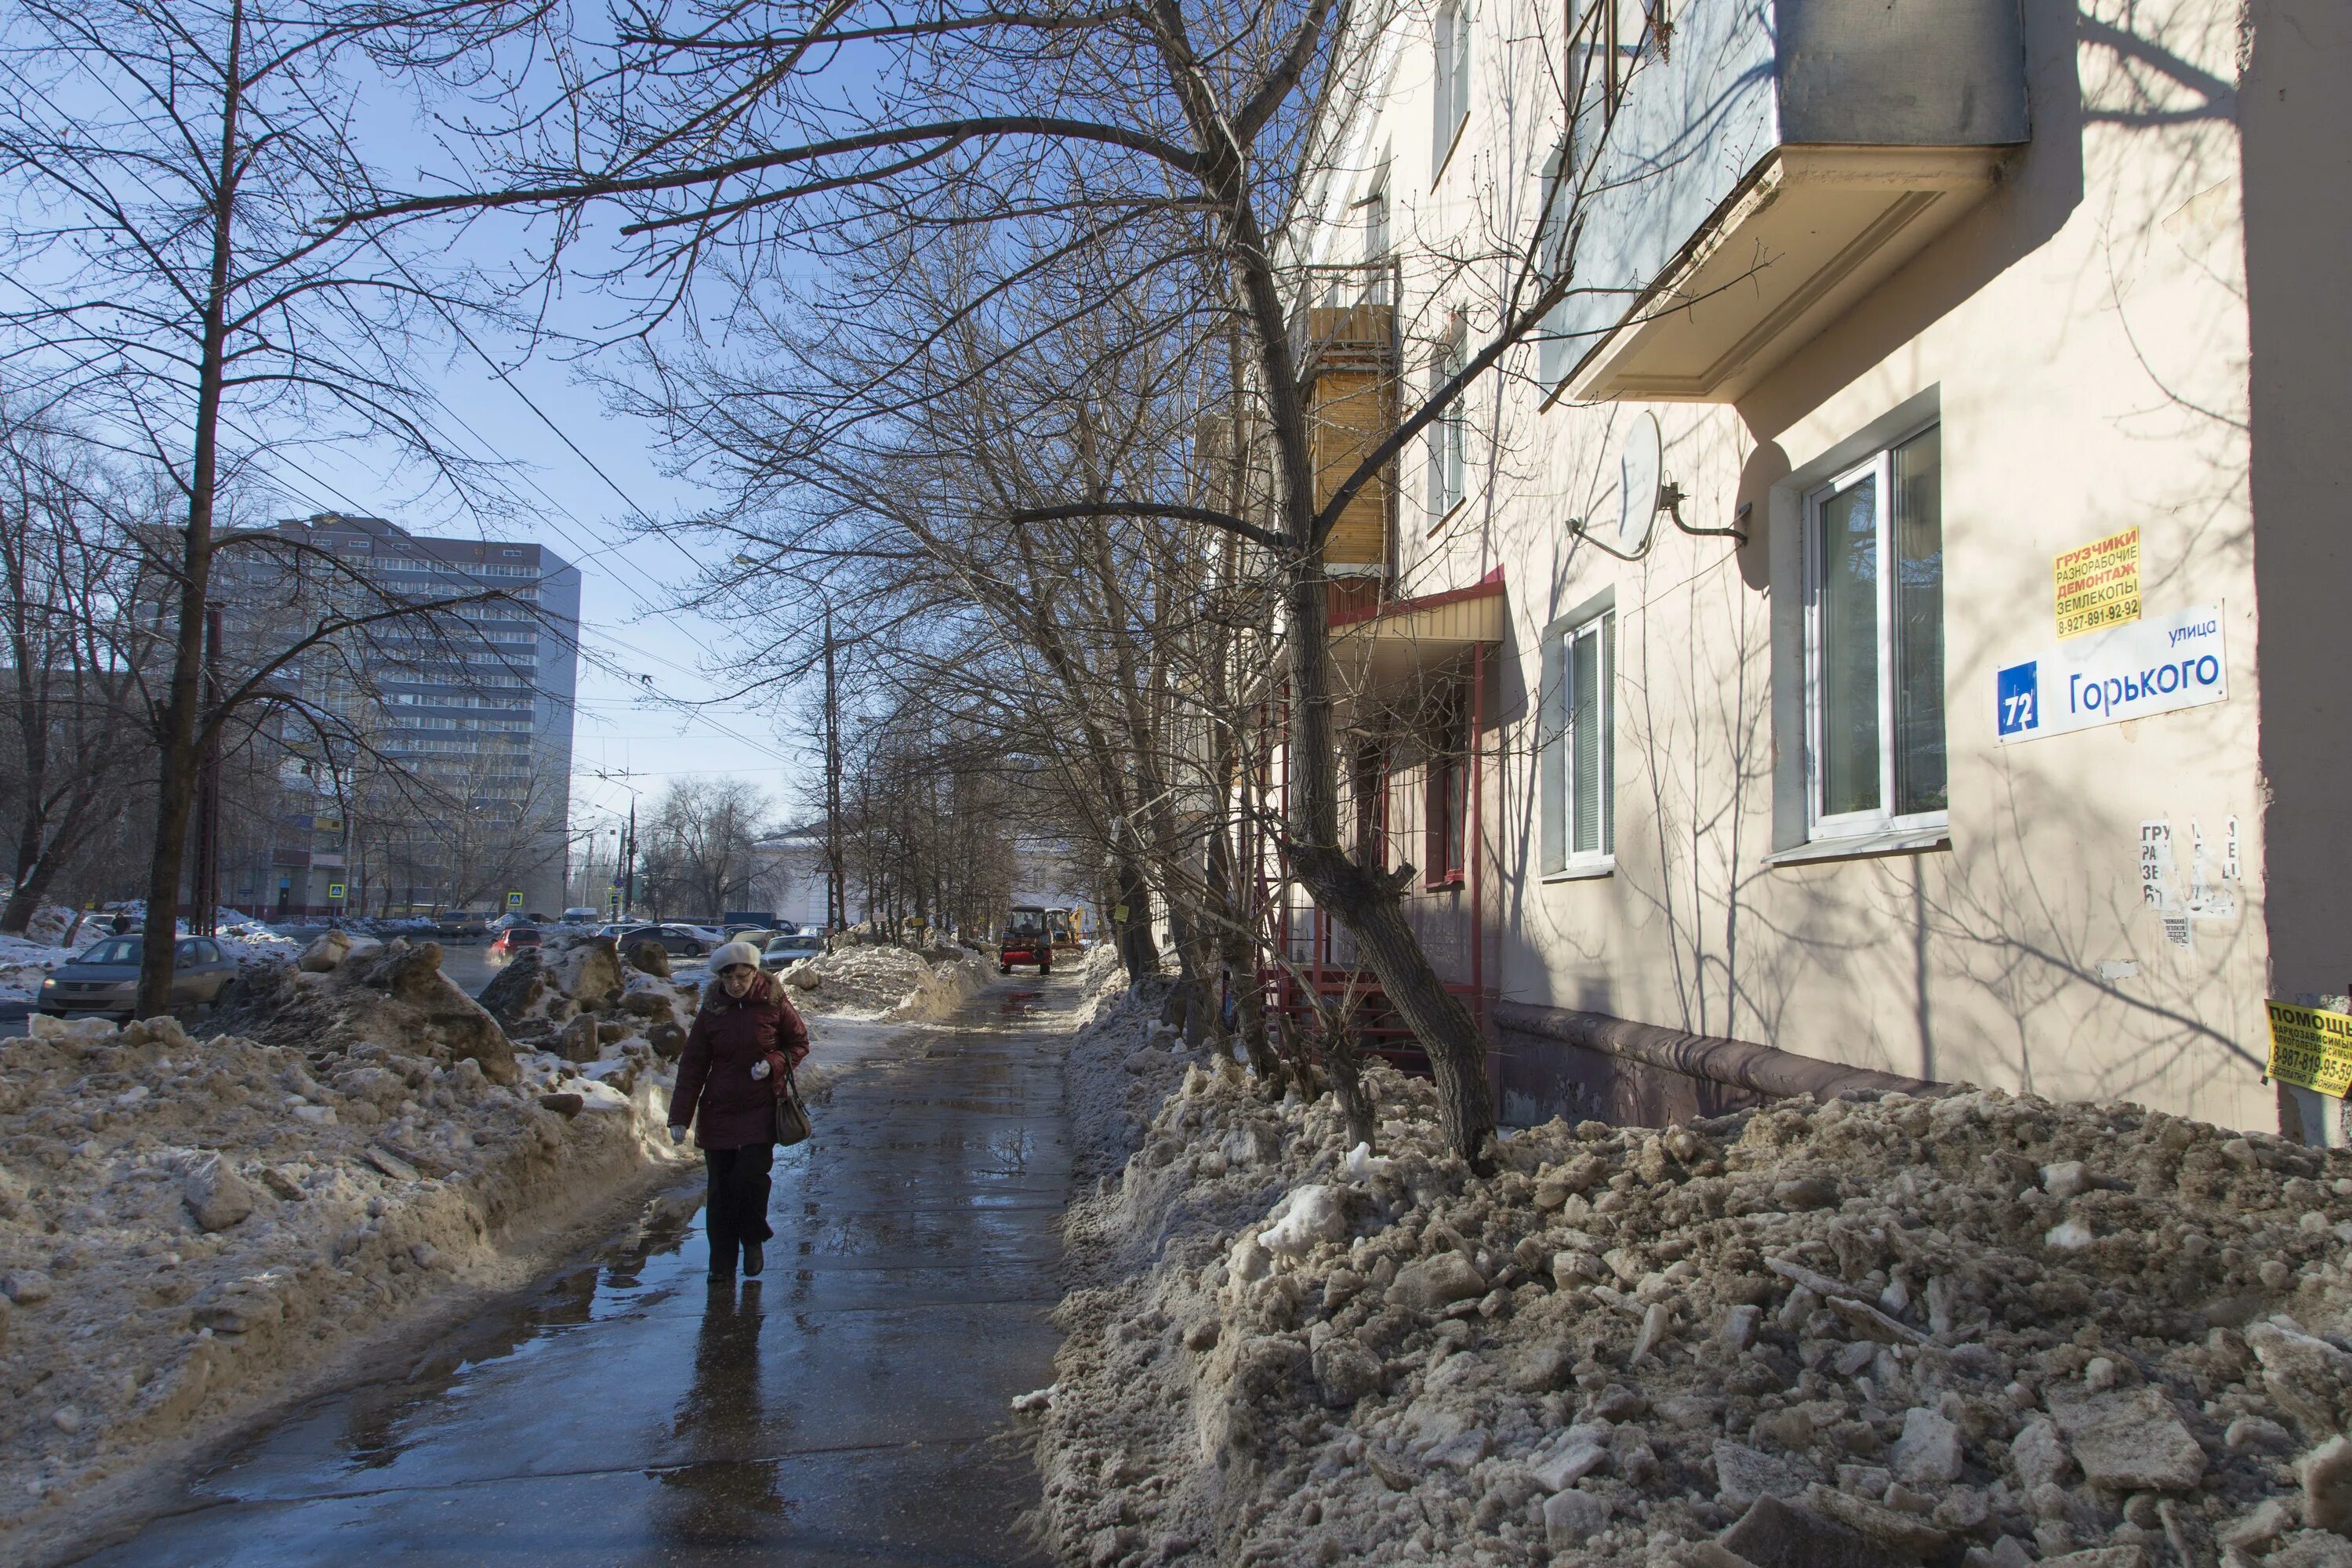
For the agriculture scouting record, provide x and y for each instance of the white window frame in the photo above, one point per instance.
(1449, 432)
(1452, 105)
(1599, 631)
(1879, 468)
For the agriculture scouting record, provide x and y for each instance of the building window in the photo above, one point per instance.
(1448, 804)
(1449, 432)
(1453, 83)
(1875, 643)
(1577, 746)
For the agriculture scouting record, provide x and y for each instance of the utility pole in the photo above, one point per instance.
(836, 888)
(204, 905)
(629, 865)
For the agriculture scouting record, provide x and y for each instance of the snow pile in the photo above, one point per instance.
(542, 993)
(342, 992)
(1977, 1330)
(25, 964)
(892, 983)
(188, 1228)
(246, 939)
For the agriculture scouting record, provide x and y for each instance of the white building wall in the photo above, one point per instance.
(2082, 338)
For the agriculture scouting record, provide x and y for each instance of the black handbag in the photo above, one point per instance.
(792, 1114)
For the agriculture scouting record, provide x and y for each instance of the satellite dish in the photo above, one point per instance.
(1638, 470)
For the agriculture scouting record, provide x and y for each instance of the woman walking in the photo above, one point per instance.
(745, 1037)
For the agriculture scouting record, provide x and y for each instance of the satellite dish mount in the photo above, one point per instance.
(1642, 492)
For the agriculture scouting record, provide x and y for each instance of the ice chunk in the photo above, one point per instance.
(1315, 1214)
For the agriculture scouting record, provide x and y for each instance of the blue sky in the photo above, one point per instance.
(585, 472)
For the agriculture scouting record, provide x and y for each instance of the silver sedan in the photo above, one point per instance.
(102, 981)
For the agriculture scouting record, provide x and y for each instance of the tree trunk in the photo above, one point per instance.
(1367, 906)
(21, 904)
(32, 886)
(1137, 951)
(177, 722)
(1346, 1070)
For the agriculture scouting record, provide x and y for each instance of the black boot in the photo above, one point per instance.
(722, 1262)
(752, 1261)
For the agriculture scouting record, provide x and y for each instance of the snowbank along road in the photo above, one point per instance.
(851, 1405)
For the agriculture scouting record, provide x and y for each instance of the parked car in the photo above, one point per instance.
(782, 951)
(756, 935)
(580, 915)
(678, 940)
(102, 980)
(513, 939)
(461, 925)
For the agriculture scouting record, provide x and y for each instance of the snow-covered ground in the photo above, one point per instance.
(892, 983)
(24, 964)
(192, 1229)
(1981, 1330)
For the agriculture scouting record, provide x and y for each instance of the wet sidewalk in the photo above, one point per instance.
(851, 1406)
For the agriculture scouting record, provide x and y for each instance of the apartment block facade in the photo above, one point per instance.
(1883, 614)
(476, 705)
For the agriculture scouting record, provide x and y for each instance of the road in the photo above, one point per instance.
(852, 1407)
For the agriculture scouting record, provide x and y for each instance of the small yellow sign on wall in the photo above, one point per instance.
(2311, 1047)
(2098, 585)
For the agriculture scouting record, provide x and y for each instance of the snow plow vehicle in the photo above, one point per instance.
(1062, 926)
(1026, 939)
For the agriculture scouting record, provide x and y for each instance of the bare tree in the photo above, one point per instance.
(74, 645)
(1137, 159)
(698, 842)
(172, 169)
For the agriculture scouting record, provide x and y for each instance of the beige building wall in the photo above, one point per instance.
(2082, 339)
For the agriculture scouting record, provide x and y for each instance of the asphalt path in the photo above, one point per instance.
(850, 1407)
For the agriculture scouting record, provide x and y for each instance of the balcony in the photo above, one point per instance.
(1343, 337)
(1786, 160)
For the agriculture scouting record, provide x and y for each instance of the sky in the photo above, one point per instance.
(650, 709)
(585, 473)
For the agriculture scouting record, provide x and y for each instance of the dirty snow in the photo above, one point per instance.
(189, 1229)
(896, 983)
(1978, 1330)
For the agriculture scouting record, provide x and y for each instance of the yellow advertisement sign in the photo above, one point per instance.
(2098, 585)
(2311, 1047)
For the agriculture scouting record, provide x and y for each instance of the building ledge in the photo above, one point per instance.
(1864, 846)
(1810, 232)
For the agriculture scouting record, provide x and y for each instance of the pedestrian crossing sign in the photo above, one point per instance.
(514, 900)
(334, 892)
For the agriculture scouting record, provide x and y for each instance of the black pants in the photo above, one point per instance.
(737, 1209)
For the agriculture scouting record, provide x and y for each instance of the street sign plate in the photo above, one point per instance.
(514, 900)
(334, 892)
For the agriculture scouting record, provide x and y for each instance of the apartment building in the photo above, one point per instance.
(475, 703)
(1884, 614)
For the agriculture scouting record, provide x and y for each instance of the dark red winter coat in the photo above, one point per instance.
(714, 1071)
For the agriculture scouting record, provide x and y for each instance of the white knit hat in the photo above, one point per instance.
(733, 953)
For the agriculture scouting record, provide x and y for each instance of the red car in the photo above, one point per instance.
(513, 939)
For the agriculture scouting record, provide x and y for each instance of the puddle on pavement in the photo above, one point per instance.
(1018, 1004)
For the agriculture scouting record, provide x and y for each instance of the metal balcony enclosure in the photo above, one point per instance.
(1774, 163)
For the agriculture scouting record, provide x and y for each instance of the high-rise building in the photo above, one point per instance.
(439, 775)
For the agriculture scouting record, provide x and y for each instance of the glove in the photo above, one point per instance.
(760, 1070)
(676, 1132)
